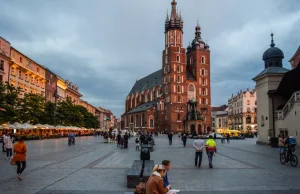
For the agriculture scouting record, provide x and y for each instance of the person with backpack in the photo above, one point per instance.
(291, 146)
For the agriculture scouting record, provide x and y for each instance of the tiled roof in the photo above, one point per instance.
(219, 108)
(147, 82)
(271, 70)
(143, 107)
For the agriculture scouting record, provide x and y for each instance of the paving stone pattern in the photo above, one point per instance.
(91, 166)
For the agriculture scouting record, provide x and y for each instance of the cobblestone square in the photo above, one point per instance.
(92, 166)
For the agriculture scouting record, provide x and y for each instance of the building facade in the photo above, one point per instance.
(4, 60)
(242, 111)
(278, 96)
(61, 87)
(27, 74)
(51, 86)
(72, 92)
(158, 102)
(216, 111)
(222, 120)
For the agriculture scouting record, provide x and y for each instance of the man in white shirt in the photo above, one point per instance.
(199, 146)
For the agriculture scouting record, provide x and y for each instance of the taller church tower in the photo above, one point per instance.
(174, 69)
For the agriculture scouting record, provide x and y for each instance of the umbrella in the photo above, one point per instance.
(17, 125)
(40, 126)
(27, 126)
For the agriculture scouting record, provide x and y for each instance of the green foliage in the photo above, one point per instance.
(33, 108)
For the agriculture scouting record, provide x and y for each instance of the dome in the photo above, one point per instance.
(273, 52)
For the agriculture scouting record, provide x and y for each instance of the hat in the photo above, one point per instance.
(161, 167)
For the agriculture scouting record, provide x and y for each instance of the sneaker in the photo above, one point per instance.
(19, 177)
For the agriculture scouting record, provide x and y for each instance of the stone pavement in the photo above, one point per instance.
(94, 167)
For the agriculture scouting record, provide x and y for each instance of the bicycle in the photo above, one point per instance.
(293, 158)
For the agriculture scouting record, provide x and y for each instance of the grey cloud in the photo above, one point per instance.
(104, 46)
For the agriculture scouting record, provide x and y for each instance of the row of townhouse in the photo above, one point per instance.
(21, 71)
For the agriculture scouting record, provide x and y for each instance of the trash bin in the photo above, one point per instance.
(145, 154)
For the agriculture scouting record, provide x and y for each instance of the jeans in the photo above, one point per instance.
(21, 166)
(184, 143)
(210, 155)
(3, 146)
(198, 155)
(8, 152)
(170, 141)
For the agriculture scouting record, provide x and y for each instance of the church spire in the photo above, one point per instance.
(175, 21)
(272, 40)
(173, 13)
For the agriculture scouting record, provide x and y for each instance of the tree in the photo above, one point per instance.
(32, 108)
(49, 113)
(9, 103)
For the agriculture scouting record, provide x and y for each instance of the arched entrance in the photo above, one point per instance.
(200, 129)
(193, 129)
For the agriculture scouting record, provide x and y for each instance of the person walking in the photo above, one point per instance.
(125, 141)
(211, 149)
(184, 138)
(9, 145)
(281, 143)
(198, 145)
(20, 151)
(155, 183)
(3, 141)
(170, 136)
(228, 138)
(118, 139)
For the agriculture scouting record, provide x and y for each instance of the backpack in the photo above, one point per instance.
(140, 188)
(292, 140)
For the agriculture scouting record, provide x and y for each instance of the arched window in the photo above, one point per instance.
(178, 48)
(151, 123)
(131, 119)
(191, 60)
(179, 99)
(203, 91)
(203, 82)
(178, 59)
(203, 101)
(191, 92)
(137, 123)
(166, 89)
(178, 117)
(143, 120)
(178, 89)
(203, 60)
(178, 78)
(178, 68)
(203, 72)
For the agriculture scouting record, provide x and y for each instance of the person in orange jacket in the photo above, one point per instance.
(20, 150)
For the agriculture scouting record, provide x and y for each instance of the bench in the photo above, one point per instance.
(149, 146)
(133, 175)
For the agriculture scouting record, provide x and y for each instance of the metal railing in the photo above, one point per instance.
(280, 114)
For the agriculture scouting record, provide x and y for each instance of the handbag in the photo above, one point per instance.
(12, 161)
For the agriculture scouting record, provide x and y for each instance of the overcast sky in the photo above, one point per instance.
(104, 46)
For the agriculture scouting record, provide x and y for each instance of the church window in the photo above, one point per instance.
(202, 72)
(178, 116)
(203, 60)
(178, 88)
(191, 92)
(203, 101)
(179, 99)
(203, 82)
(166, 59)
(203, 91)
(178, 78)
(191, 60)
(178, 49)
(178, 68)
(178, 59)
(151, 123)
(131, 119)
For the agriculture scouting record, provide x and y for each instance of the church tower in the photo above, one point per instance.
(198, 64)
(174, 69)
